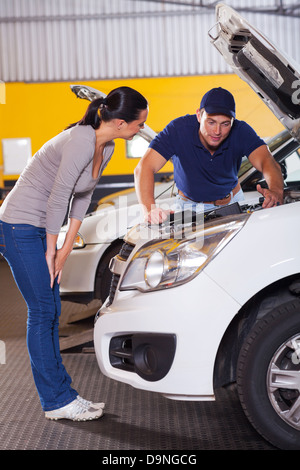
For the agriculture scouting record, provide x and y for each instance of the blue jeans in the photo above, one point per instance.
(183, 203)
(24, 246)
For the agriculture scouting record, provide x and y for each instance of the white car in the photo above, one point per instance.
(196, 306)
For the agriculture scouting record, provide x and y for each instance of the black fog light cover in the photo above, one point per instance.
(153, 354)
(150, 355)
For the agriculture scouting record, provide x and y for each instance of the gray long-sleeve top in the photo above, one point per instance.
(60, 170)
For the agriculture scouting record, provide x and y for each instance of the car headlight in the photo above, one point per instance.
(78, 242)
(162, 264)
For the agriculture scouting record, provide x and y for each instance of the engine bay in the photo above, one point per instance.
(180, 220)
(290, 196)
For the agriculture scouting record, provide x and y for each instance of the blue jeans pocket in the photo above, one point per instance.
(26, 237)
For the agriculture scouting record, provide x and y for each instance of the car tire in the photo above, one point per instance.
(268, 376)
(103, 274)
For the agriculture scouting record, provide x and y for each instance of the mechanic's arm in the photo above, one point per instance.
(262, 159)
(57, 258)
(144, 173)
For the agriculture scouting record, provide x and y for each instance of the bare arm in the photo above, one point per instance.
(263, 161)
(144, 173)
(56, 259)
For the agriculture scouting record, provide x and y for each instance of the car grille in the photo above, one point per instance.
(124, 254)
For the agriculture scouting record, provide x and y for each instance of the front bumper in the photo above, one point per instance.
(146, 325)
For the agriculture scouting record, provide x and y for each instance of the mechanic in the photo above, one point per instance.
(65, 170)
(207, 150)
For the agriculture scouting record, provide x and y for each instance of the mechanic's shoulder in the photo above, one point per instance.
(241, 125)
(241, 128)
(187, 120)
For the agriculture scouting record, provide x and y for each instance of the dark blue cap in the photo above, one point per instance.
(218, 101)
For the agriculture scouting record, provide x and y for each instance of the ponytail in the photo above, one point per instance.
(121, 103)
(92, 115)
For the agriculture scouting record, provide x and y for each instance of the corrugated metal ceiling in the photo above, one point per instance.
(56, 40)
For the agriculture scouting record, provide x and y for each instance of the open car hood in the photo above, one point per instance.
(272, 75)
(88, 93)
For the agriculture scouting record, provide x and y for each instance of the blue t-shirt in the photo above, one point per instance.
(198, 174)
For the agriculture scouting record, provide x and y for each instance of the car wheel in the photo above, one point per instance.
(268, 376)
(103, 274)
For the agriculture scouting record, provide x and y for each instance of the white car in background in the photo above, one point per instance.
(196, 306)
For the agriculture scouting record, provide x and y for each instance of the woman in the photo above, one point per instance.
(62, 174)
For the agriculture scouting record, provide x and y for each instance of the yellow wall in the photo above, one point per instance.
(41, 110)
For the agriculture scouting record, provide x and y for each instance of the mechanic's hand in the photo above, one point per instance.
(272, 198)
(156, 215)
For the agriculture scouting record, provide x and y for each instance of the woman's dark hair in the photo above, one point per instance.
(121, 103)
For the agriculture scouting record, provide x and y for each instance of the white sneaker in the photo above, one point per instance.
(90, 403)
(76, 411)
